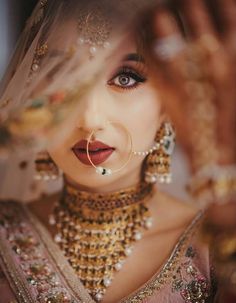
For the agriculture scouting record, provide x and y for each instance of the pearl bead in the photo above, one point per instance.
(99, 170)
(57, 238)
(118, 266)
(151, 179)
(46, 178)
(128, 251)
(148, 223)
(98, 297)
(92, 50)
(139, 153)
(80, 41)
(161, 179)
(138, 236)
(35, 67)
(52, 220)
(168, 179)
(106, 44)
(108, 172)
(107, 282)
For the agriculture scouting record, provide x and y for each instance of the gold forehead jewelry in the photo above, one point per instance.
(94, 29)
(97, 231)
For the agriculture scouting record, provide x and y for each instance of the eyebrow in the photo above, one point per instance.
(134, 57)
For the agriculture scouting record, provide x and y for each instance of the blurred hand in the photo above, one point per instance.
(192, 55)
(196, 72)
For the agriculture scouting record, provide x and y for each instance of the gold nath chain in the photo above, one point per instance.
(96, 232)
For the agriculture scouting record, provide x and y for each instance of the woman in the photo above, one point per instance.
(111, 235)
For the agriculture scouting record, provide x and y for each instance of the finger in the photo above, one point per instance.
(227, 102)
(227, 12)
(169, 51)
(203, 34)
(197, 18)
(190, 107)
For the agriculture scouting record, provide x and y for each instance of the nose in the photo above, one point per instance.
(92, 116)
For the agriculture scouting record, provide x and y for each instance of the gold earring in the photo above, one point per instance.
(158, 162)
(45, 167)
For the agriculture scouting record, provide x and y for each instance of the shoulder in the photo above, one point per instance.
(191, 255)
(173, 213)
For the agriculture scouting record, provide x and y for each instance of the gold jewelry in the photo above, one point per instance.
(157, 166)
(155, 146)
(97, 231)
(214, 184)
(40, 52)
(107, 171)
(94, 29)
(45, 167)
(201, 107)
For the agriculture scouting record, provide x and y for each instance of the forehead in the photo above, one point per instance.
(67, 37)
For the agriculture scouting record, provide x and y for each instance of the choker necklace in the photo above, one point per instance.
(96, 231)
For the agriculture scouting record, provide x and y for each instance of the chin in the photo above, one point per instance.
(91, 179)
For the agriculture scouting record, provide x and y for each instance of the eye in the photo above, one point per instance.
(127, 78)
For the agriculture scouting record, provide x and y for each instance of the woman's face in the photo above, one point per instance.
(122, 105)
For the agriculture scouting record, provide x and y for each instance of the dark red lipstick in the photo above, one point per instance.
(98, 152)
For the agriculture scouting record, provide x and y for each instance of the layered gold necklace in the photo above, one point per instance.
(97, 231)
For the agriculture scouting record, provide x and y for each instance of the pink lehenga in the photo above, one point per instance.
(35, 270)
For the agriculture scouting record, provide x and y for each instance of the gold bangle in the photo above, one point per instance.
(215, 184)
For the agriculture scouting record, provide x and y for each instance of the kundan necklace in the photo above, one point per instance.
(96, 231)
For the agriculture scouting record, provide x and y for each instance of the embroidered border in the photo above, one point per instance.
(28, 266)
(42, 238)
(60, 260)
(165, 274)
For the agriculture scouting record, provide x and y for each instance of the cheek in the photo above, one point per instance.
(61, 153)
(145, 117)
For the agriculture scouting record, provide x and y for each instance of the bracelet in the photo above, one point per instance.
(213, 184)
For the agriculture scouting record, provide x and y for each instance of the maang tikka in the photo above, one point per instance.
(157, 167)
(94, 29)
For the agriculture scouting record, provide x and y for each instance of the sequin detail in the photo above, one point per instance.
(28, 257)
(168, 273)
(189, 282)
(33, 273)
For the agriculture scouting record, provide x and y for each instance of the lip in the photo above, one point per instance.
(99, 152)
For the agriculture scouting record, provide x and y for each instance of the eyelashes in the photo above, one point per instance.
(127, 78)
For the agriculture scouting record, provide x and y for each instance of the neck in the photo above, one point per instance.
(123, 182)
(76, 199)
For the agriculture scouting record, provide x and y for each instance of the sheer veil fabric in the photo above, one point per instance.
(63, 48)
